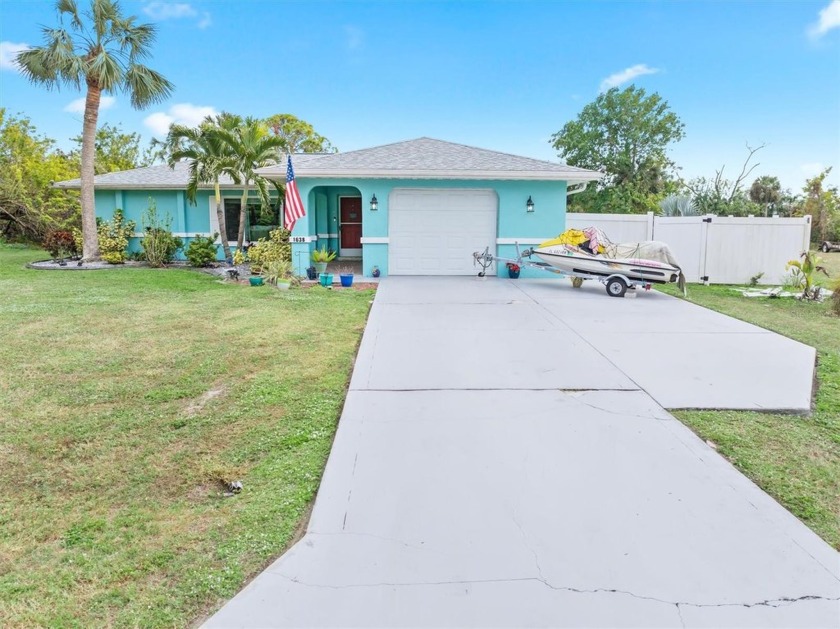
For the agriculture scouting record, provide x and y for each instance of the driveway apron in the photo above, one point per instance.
(504, 460)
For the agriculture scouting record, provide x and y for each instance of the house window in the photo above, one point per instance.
(259, 220)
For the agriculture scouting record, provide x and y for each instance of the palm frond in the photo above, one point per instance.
(146, 86)
(106, 70)
(678, 205)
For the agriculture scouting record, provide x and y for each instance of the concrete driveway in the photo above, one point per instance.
(504, 459)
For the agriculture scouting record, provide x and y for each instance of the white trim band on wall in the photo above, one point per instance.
(178, 234)
(521, 241)
(375, 240)
(327, 235)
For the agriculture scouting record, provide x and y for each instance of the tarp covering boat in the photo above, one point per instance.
(589, 251)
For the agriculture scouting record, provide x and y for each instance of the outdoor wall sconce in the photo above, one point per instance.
(374, 204)
(529, 205)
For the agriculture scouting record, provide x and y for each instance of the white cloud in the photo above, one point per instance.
(355, 37)
(169, 10)
(181, 113)
(78, 106)
(8, 53)
(628, 74)
(829, 18)
(177, 10)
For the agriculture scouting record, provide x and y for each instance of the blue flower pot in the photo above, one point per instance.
(346, 280)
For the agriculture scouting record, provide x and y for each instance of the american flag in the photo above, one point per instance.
(294, 206)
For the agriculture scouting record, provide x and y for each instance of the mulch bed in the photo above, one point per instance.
(220, 270)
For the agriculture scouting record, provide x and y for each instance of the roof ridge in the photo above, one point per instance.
(505, 153)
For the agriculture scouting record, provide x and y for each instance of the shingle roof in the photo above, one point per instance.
(424, 158)
(159, 176)
(427, 158)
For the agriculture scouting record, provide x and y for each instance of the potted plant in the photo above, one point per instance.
(513, 270)
(321, 257)
(278, 273)
(345, 274)
(311, 273)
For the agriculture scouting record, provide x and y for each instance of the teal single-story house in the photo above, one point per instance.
(419, 207)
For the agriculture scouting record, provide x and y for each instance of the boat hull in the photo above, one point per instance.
(572, 261)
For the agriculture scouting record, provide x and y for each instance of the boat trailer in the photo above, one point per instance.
(616, 284)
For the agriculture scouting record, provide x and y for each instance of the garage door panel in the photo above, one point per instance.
(434, 232)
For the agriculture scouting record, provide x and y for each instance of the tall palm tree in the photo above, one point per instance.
(102, 49)
(253, 147)
(208, 156)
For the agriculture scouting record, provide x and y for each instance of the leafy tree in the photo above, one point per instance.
(298, 135)
(29, 163)
(208, 155)
(823, 205)
(624, 134)
(115, 150)
(766, 191)
(102, 49)
(251, 146)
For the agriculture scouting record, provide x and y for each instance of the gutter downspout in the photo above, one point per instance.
(578, 188)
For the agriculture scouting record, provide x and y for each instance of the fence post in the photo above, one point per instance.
(650, 226)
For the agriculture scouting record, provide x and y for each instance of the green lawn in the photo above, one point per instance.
(793, 458)
(126, 397)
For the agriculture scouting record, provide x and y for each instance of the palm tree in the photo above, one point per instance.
(103, 52)
(208, 156)
(253, 147)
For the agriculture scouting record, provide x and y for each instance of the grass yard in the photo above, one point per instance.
(795, 459)
(126, 397)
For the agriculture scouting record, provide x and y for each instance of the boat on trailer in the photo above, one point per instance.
(617, 274)
(575, 261)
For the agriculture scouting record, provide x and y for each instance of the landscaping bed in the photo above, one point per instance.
(128, 401)
(796, 459)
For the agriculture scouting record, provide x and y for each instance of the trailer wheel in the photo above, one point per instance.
(616, 287)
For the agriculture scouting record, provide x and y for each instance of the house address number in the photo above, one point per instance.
(299, 239)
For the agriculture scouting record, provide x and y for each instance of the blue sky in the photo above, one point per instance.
(499, 75)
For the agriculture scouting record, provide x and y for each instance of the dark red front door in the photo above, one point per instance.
(350, 215)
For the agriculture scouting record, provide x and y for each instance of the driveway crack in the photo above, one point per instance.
(773, 602)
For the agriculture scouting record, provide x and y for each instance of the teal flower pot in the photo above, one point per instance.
(326, 279)
(256, 281)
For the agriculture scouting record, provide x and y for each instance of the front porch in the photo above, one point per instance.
(336, 219)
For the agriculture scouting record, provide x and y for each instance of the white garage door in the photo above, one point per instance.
(434, 232)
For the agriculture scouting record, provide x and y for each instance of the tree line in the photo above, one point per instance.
(626, 135)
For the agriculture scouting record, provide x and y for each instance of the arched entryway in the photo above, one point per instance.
(338, 219)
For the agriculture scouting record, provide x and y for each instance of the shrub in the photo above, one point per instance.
(323, 255)
(159, 245)
(238, 257)
(60, 243)
(202, 250)
(113, 237)
(803, 272)
(276, 270)
(274, 248)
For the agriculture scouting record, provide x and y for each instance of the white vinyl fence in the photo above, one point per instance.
(713, 249)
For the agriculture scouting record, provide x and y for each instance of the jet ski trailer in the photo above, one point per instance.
(616, 274)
